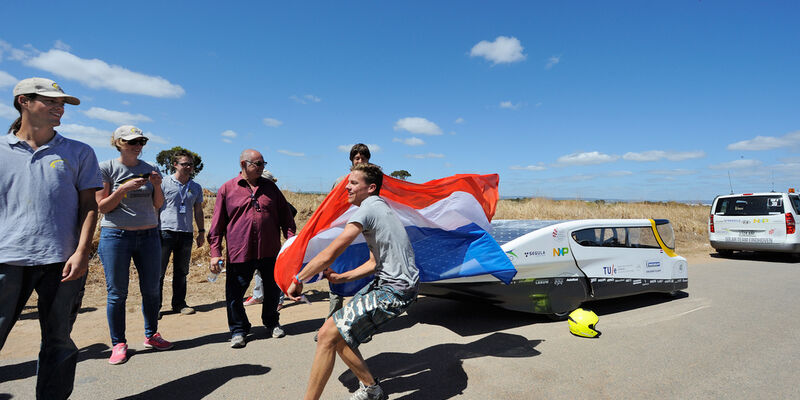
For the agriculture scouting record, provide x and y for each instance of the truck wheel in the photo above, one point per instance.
(725, 253)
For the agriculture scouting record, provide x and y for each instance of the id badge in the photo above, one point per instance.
(182, 209)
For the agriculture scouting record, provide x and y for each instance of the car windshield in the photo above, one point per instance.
(666, 233)
(749, 205)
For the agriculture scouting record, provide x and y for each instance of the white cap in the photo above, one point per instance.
(268, 175)
(128, 132)
(43, 87)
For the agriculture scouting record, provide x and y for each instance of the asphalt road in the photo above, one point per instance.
(734, 334)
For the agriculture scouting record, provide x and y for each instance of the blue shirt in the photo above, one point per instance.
(39, 198)
(176, 195)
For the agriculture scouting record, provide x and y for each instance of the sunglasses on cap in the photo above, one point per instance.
(136, 142)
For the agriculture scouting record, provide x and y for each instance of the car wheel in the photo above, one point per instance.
(562, 316)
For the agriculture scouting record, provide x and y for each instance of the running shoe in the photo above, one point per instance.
(238, 341)
(119, 354)
(277, 332)
(157, 342)
(374, 392)
(253, 300)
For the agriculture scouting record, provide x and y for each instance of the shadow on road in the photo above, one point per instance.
(621, 304)
(438, 370)
(200, 384)
(788, 258)
(34, 313)
(467, 318)
(27, 369)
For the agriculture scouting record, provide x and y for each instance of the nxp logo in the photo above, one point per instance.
(558, 252)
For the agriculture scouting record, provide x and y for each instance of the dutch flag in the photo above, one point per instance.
(446, 219)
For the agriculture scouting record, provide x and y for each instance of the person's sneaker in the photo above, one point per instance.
(187, 310)
(237, 342)
(119, 354)
(277, 332)
(373, 392)
(157, 342)
(253, 300)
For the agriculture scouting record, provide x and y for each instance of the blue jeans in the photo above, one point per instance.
(116, 249)
(58, 354)
(179, 245)
(236, 284)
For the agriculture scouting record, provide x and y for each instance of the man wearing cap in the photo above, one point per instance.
(47, 194)
(183, 199)
(250, 213)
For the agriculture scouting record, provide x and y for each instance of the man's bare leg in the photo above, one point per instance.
(329, 343)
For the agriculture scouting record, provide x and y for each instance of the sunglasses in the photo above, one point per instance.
(254, 200)
(136, 142)
(256, 163)
(186, 164)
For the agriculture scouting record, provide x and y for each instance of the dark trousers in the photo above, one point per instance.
(179, 245)
(58, 354)
(237, 281)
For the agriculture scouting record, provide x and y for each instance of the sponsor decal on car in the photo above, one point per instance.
(559, 236)
(609, 270)
(562, 251)
(535, 253)
(541, 282)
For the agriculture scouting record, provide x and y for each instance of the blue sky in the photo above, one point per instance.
(626, 100)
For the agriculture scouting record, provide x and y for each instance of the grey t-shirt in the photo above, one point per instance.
(387, 239)
(39, 198)
(177, 198)
(136, 208)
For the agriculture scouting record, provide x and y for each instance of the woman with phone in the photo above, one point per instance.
(129, 201)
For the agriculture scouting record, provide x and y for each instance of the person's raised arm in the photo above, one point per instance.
(363, 270)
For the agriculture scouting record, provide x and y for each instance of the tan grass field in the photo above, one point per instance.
(688, 221)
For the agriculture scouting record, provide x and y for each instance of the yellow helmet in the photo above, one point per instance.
(582, 323)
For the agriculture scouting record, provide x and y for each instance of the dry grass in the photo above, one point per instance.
(689, 222)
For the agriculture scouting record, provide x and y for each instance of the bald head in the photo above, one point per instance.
(250, 154)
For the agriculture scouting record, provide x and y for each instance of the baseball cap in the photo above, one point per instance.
(128, 132)
(43, 87)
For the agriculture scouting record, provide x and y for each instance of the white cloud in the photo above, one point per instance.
(528, 168)
(588, 158)
(737, 164)
(272, 122)
(155, 138)
(509, 105)
(291, 153)
(767, 142)
(345, 148)
(87, 134)
(412, 141)
(8, 112)
(309, 98)
(7, 80)
(655, 155)
(417, 125)
(459, 120)
(228, 135)
(502, 50)
(59, 45)
(98, 74)
(428, 155)
(116, 117)
(552, 61)
(671, 172)
(620, 173)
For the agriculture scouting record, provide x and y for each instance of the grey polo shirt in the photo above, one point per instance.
(176, 195)
(39, 198)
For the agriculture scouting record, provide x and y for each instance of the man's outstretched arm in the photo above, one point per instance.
(324, 259)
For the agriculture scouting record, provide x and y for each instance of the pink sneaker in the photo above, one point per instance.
(252, 300)
(157, 342)
(119, 354)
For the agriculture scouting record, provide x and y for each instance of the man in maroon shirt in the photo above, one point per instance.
(250, 214)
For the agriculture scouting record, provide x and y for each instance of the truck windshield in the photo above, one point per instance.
(750, 205)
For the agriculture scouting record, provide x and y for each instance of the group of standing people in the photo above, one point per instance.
(53, 188)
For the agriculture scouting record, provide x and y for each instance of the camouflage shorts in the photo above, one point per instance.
(370, 308)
